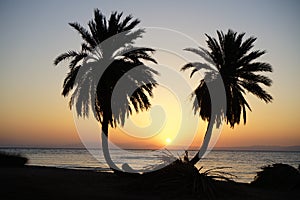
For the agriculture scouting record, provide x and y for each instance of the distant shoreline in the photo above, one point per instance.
(240, 149)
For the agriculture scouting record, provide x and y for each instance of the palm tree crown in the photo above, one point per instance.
(233, 61)
(92, 83)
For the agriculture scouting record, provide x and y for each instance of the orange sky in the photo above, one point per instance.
(32, 126)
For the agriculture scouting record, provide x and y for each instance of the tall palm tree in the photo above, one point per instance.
(106, 55)
(231, 60)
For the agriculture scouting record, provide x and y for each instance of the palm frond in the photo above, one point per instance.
(124, 23)
(257, 67)
(77, 58)
(131, 25)
(251, 77)
(201, 52)
(255, 89)
(251, 56)
(196, 66)
(100, 25)
(85, 47)
(69, 81)
(65, 56)
(86, 36)
(139, 53)
(247, 45)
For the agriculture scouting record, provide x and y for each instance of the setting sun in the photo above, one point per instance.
(168, 140)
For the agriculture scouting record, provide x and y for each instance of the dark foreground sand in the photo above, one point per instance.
(32, 182)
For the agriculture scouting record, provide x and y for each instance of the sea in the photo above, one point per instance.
(243, 164)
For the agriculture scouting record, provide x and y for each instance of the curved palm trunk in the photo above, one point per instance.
(105, 149)
(204, 145)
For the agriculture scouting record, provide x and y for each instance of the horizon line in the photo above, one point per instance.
(241, 148)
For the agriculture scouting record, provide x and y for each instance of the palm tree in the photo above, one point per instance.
(106, 55)
(228, 59)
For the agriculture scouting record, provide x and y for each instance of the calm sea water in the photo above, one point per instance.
(243, 164)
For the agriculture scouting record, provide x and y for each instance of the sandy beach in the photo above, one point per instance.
(34, 182)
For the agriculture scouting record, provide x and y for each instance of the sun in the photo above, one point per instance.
(168, 140)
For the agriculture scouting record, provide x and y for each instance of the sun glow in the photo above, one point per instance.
(168, 140)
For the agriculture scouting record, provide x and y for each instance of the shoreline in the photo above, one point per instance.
(40, 182)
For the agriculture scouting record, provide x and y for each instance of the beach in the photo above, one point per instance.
(36, 182)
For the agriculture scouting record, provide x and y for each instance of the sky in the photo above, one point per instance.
(33, 33)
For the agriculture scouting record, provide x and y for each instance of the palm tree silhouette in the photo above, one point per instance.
(106, 56)
(234, 64)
